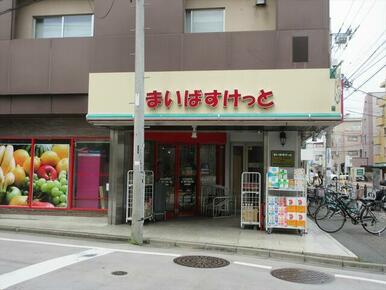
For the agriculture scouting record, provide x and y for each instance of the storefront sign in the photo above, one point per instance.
(212, 99)
(283, 158)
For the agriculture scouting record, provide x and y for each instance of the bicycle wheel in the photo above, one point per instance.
(330, 218)
(373, 219)
(312, 206)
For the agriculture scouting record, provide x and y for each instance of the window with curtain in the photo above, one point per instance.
(64, 26)
(204, 20)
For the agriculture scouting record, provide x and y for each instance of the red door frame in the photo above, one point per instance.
(184, 138)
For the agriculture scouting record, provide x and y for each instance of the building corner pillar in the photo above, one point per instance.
(118, 167)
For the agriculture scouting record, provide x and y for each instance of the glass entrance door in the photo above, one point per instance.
(166, 178)
(187, 176)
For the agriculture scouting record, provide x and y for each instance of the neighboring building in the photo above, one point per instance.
(347, 144)
(229, 85)
(318, 148)
(369, 125)
(380, 133)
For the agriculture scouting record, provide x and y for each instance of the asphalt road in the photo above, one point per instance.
(39, 262)
(368, 247)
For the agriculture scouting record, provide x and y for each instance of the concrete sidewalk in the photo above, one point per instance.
(221, 234)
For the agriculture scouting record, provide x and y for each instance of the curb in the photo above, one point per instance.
(308, 258)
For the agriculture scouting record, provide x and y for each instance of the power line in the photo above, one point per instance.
(365, 114)
(344, 19)
(365, 82)
(369, 66)
(367, 93)
(367, 59)
(356, 15)
(106, 14)
(19, 6)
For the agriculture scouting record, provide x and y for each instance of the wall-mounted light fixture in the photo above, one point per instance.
(283, 138)
(194, 132)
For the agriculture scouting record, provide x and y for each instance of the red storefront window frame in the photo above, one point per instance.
(73, 140)
(177, 138)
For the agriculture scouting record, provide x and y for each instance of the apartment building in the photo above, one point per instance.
(347, 145)
(380, 132)
(230, 86)
(370, 132)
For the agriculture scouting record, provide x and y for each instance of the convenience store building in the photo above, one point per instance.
(205, 128)
(66, 79)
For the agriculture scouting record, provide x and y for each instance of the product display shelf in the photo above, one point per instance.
(250, 199)
(286, 207)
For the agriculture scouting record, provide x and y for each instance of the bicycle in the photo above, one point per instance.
(316, 197)
(333, 214)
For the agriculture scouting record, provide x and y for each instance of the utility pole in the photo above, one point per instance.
(138, 158)
(328, 157)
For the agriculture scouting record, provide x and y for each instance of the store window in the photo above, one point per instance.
(149, 155)
(51, 173)
(63, 26)
(205, 20)
(208, 164)
(91, 175)
(14, 172)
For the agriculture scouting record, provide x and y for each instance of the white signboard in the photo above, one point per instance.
(307, 154)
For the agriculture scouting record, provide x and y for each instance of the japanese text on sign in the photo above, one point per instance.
(212, 99)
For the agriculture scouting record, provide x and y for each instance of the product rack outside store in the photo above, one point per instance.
(149, 191)
(286, 200)
(250, 199)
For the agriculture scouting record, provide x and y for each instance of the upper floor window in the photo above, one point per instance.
(300, 49)
(63, 26)
(353, 153)
(352, 138)
(205, 20)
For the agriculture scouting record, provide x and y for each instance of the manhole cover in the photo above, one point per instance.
(119, 273)
(302, 276)
(201, 262)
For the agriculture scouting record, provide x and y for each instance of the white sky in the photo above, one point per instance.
(370, 16)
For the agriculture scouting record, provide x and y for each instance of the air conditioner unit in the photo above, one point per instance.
(261, 2)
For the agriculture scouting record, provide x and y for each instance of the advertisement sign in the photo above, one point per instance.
(46, 176)
(280, 158)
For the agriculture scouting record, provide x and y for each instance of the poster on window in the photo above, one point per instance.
(50, 176)
(14, 173)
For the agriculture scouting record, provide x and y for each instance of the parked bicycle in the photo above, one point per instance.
(316, 196)
(334, 212)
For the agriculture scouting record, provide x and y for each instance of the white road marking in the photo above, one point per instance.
(360, 279)
(89, 247)
(336, 275)
(39, 269)
(103, 251)
(253, 265)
